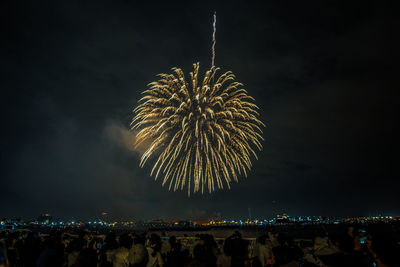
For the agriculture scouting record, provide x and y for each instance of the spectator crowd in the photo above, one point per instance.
(86, 249)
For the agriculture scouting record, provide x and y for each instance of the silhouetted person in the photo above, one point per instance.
(120, 258)
(236, 248)
(51, 255)
(223, 260)
(138, 255)
(87, 257)
(73, 250)
(198, 257)
(282, 253)
(107, 251)
(155, 259)
(175, 258)
(347, 242)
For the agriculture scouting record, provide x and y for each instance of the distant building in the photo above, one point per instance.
(283, 218)
(45, 218)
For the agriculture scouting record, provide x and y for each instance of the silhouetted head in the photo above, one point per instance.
(125, 241)
(262, 239)
(282, 239)
(172, 240)
(350, 231)
(139, 239)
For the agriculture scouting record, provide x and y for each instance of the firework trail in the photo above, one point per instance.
(214, 40)
(202, 133)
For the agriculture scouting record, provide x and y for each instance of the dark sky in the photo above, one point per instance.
(324, 74)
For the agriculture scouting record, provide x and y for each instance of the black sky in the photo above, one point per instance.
(324, 73)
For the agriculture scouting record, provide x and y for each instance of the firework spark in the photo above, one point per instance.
(214, 40)
(203, 132)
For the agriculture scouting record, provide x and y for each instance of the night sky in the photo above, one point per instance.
(324, 74)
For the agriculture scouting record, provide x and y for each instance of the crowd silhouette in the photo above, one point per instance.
(86, 249)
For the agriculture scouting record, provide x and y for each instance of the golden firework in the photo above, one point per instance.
(203, 131)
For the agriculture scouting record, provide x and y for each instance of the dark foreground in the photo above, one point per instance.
(282, 245)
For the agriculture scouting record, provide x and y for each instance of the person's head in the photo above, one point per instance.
(350, 231)
(282, 239)
(262, 239)
(238, 234)
(29, 237)
(368, 242)
(139, 239)
(322, 233)
(208, 240)
(93, 244)
(84, 235)
(15, 235)
(172, 240)
(50, 242)
(125, 241)
(110, 237)
(357, 242)
(333, 241)
(155, 242)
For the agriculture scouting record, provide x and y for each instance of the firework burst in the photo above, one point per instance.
(203, 132)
